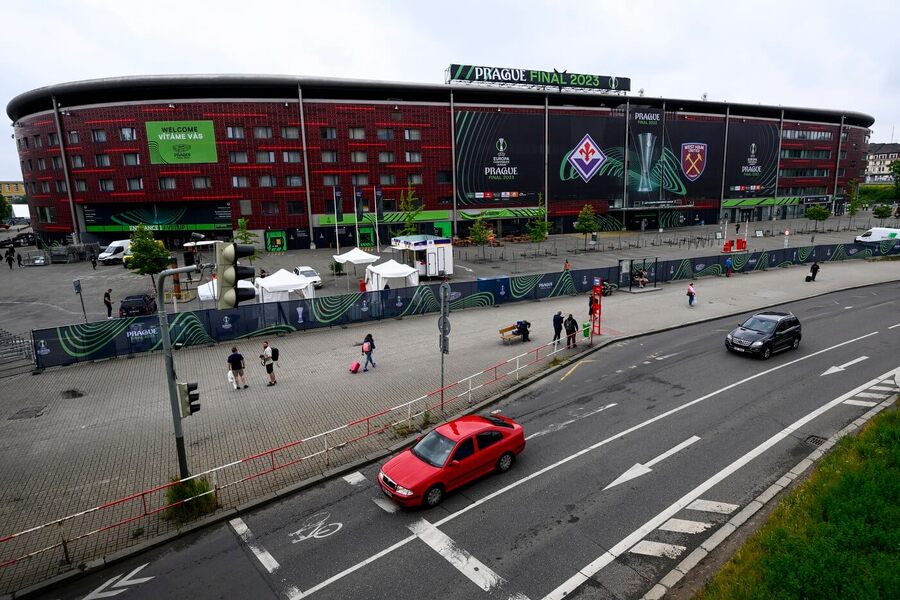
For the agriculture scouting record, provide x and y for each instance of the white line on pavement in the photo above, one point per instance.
(649, 548)
(354, 478)
(476, 571)
(723, 508)
(685, 526)
(564, 424)
(883, 388)
(894, 326)
(867, 403)
(267, 560)
(871, 395)
(385, 505)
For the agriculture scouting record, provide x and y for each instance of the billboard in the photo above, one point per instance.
(647, 162)
(586, 161)
(752, 162)
(499, 157)
(555, 78)
(169, 216)
(181, 142)
(696, 147)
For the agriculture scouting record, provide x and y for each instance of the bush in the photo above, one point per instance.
(873, 194)
(337, 268)
(192, 509)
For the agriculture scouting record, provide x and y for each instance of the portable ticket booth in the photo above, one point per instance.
(432, 256)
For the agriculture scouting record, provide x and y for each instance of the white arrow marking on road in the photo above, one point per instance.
(642, 469)
(118, 581)
(466, 268)
(832, 370)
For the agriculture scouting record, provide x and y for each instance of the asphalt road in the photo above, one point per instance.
(711, 430)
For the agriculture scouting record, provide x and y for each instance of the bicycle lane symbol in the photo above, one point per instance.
(316, 526)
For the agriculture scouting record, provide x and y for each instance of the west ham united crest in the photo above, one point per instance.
(693, 160)
(587, 158)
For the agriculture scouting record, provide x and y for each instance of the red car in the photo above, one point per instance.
(450, 456)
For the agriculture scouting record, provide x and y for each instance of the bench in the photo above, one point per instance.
(508, 335)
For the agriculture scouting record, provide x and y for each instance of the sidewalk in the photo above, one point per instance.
(105, 429)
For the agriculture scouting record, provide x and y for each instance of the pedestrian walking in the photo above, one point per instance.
(571, 326)
(362, 286)
(368, 346)
(19, 259)
(557, 325)
(567, 266)
(267, 358)
(107, 300)
(592, 302)
(236, 366)
(10, 259)
(93, 260)
(691, 294)
(737, 228)
(814, 270)
(729, 266)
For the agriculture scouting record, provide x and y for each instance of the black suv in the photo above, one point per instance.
(137, 306)
(764, 334)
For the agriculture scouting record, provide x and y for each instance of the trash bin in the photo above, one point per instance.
(586, 329)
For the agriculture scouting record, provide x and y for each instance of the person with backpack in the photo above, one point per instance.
(268, 358)
(571, 326)
(368, 346)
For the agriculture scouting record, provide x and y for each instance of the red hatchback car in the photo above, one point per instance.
(451, 455)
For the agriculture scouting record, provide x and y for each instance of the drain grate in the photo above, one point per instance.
(31, 412)
(68, 394)
(815, 440)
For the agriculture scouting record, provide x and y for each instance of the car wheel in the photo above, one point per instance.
(766, 353)
(506, 462)
(433, 496)
(796, 343)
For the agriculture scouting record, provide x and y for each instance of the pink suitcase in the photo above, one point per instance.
(354, 366)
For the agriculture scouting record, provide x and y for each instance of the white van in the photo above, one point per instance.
(114, 252)
(879, 234)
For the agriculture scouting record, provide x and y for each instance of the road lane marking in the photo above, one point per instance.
(564, 424)
(894, 326)
(722, 508)
(649, 548)
(884, 388)
(832, 370)
(386, 505)
(583, 451)
(594, 567)
(476, 571)
(575, 366)
(642, 469)
(267, 560)
(354, 478)
(685, 526)
(871, 395)
(867, 403)
(119, 581)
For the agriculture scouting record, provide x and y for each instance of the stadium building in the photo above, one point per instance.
(304, 160)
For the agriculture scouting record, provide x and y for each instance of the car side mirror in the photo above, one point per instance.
(454, 462)
(418, 438)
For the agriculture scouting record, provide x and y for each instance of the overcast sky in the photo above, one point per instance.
(824, 54)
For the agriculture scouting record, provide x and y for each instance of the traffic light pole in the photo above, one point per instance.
(170, 364)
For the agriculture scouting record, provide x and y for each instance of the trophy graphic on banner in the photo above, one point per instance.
(646, 145)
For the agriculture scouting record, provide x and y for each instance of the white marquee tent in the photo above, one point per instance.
(275, 287)
(390, 272)
(207, 291)
(356, 257)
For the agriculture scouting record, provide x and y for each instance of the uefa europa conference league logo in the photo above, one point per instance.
(502, 170)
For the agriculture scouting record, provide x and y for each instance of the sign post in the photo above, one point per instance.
(77, 285)
(444, 329)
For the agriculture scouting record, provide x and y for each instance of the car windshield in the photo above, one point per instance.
(762, 325)
(308, 273)
(433, 449)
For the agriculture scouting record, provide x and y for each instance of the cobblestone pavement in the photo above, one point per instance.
(105, 428)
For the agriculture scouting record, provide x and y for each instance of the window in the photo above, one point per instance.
(267, 181)
(127, 134)
(22, 162)
(265, 157)
(358, 157)
(330, 180)
(237, 157)
(414, 179)
(389, 204)
(57, 162)
(61, 186)
(33, 188)
(80, 185)
(132, 159)
(240, 181)
(396, 116)
(101, 160)
(488, 438)
(42, 164)
(74, 137)
(52, 139)
(201, 183)
(37, 141)
(291, 156)
(803, 134)
(262, 133)
(818, 190)
(412, 135)
(30, 165)
(385, 157)
(388, 180)
(23, 143)
(77, 161)
(843, 154)
(234, 133)
(329, 156)
(106, 185)
(98, 135)
(413, 157)
(444, 177)
(359, 179)
(808, 154)
(464, 450)
(357, 133)
(296, 208)
(803, 172)
(270, 209)
(46, 214)
(134, 184)
(167, 183)
(328, 133)
(45, 187)
(290, 133)
(246, 208)
(385, 134)
(293, 181)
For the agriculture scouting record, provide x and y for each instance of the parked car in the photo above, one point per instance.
(879, 234)
(115, 252)
(765, 333)
(137, 306)
(35, 258)
(309, 273)
(450, 456)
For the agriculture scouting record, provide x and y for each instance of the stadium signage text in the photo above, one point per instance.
(538, 78)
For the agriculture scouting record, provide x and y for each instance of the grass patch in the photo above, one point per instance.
(406, 429)
(194, 508)
(836, 536)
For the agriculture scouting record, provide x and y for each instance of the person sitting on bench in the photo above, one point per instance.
(641, 278)
(522, 329)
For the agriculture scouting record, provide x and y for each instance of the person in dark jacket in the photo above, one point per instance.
(522, 329)
(571, 326)
(368, 346)
(557, 325)
(814, 270)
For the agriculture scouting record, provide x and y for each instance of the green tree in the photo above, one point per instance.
(817, 213)
(148, 255)
(882, 211)
(538, 227)
(479, 233)
(410, 207)
(851, 191)
(894, 168)
(5, 208)
(243, 235)
(586, 223)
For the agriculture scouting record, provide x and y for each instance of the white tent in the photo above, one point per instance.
(356, 257)
(275, 287)
(207, 291)
(390, 272)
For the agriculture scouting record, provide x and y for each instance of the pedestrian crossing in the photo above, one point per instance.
(874, 395)
(715, 510)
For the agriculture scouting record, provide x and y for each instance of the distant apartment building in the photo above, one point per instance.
(880, 158)
(12, 190)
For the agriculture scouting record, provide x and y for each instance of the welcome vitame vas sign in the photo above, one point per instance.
(181, 142)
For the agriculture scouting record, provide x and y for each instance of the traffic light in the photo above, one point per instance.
(187, 396)
(229, 273)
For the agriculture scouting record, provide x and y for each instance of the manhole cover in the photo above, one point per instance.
(72, 394)
(28, 413)
(815, 440)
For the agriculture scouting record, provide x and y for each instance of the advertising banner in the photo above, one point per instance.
(586, 157)
(158, 216)
(752, 163)
(499, 157)
(648, 166)
(697, 147)
(555, 78)
(181, 142)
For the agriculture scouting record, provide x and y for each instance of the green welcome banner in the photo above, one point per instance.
(181, 142)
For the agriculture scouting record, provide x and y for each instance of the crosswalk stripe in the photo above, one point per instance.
(649, 548)
(884, 388)
(685, 526)
(354, 478)
(475, 570)
(386, 505)
(868, 403)
(709, 506)
(876, 396)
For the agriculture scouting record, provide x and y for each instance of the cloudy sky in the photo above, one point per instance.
(825, 54)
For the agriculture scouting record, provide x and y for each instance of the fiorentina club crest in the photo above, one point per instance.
(693, 160)
(587, 158)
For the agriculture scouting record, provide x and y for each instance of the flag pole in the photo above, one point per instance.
(337, 238)
(356, 208)
(375, 201)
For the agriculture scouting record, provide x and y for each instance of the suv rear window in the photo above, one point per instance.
(496, 421)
